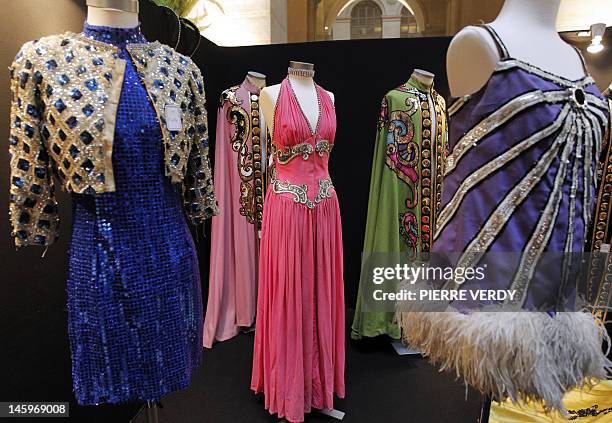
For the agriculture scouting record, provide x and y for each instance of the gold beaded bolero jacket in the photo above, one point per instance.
(66, 92)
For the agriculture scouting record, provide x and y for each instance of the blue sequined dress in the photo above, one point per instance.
(134, 303)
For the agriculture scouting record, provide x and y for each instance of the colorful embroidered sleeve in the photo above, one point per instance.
(33, 208)
(200, 200)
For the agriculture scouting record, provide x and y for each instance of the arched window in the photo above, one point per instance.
(366, 20)
(409, 26)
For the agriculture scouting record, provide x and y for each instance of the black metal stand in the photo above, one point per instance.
(485, 409)
(152, 412)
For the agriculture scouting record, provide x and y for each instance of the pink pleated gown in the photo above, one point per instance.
(298, 359)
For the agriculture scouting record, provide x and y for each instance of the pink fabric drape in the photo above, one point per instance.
(232, 292)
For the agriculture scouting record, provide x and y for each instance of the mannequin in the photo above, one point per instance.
(537, 43)
(303, 86)
(113, 13)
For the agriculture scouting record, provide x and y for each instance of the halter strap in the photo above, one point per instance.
(501, 47)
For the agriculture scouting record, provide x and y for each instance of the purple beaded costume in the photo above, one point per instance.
(520, 179)
(134, 303)
(519, 185)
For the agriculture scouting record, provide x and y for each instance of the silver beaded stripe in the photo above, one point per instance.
(483, 172)
(458, 104)
(569, 239)
(539, 239)
(498, 118)
(502, 214)
(512, 63)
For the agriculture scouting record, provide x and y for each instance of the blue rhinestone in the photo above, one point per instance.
(100, 125)
(60, 105)
(13, 140)
(97, 61)
(177, 83)
(22, 235)
(18, 182)
(23, 164)
(49, 209)
(167, 60)
(88, 166)
(40, 51)
(180, 71)
(88, 110)
(63, 79)
(28, 64)
(175, 159)
(38, 77)
(44, 224)
(86, 137)
(100, 178)
(66, 164)
(32, 111)
(49, 91)
(69, 56)
(173, 95)
(56, 149)
(151, 53)
(74, 152)
(36, 189)
(26, 148)
(62, 135)
(75, 94)
(81, 70)
(23, 79)
(92, 84)
(65, 42)
(77, 179)
(45, 133)
(29, 131)
(164, 71)
(108, 76)
(24, 218)
(183, 61)
(159, 84)
(17, 122)
(72, 122)
(40, 172)
(40, 240)
(51, 64)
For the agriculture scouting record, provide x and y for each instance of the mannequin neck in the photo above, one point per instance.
(111, 17)
(301, 80)
(423, 77)
(532, 12)
(257, 79)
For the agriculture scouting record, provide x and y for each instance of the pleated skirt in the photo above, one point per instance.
(298, 359)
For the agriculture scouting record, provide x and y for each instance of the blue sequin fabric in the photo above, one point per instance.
(134, 302)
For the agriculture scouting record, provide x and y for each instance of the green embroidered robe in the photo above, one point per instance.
(405, 188)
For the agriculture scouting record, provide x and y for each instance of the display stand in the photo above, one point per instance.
(485, 409)
(336, 414)
(152, 412)
(401, 349)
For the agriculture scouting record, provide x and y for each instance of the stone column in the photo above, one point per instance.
(342, 29)
(391, 26)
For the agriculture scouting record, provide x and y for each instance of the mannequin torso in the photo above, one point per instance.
(537, 43)
(304, 88)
